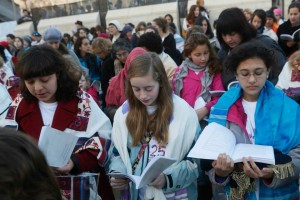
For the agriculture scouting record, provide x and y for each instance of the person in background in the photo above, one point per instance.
(25, 173)
(115, 95)
(126, 32)
(169, 18)
(167, 38)
(152, 42)
(203, 10)
(178, 39)
(101, 32)
(189, 22)
(37, 39)
(259, 20)
(150, 123)
(289, 78)
(50, 96)
(139, 30)
(114, 29)
(204, 23)
(271, 22)
(85, 85)
(248, 111)
(66, 40)
(26, 42)
(53, 37)
(233, 30)
(289, 27)
(278, 15)
(271, 26)
(113, 65)
(78, 25)
(82, 32)
(89, 62)
(248, 14)
(18, 43)
(74, 39)
(25, 17)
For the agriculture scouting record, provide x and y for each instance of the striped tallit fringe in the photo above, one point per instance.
(244, 184)
(283, 171)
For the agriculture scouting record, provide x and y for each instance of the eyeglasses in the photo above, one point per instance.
(257, 74)
(120, 55)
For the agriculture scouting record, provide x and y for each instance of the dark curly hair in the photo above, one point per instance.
(196, 39)
(152, 42)
(43, 60)
(248, 50)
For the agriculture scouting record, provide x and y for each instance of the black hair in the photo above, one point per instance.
(233, 20)
(43, 60)
(209, 33)
(262, 15)
(12, 36)
(121, 44)
(152, 42)
(248, 50)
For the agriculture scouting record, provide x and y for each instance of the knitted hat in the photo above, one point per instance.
(27, 38)
(52, 35)
(116, 23)
(36, 34)
(127, 29)
(277, 11)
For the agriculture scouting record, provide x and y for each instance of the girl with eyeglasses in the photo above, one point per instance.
(233, 29)
(114, 63)
(257, 113)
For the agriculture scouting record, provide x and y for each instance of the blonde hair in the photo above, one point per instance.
(294, 57)
(101, 44)
(138, 121)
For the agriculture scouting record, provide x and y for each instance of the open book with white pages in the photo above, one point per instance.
(153, 169)
(216, 139)
(56, 145)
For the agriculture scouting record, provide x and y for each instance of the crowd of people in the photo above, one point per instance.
(131, 93)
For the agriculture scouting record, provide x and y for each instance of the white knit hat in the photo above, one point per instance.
(117, 24)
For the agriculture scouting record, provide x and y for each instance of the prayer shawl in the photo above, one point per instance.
(5, 101)
(183, 132)
(88, 123)
(115, 95)
(206, 79)
(277, 124)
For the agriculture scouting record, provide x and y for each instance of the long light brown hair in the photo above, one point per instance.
(138, 121)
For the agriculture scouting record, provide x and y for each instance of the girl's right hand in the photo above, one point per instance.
(119, 184)
(223, 165)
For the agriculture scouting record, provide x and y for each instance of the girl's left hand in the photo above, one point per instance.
(251, 169)
(159, 182)
(66, 169)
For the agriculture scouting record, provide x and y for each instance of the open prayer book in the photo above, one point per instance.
(216, 139)
(56, 145)
(295, 36)
(153, 169)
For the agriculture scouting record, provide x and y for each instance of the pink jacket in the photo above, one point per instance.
(192, 87)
